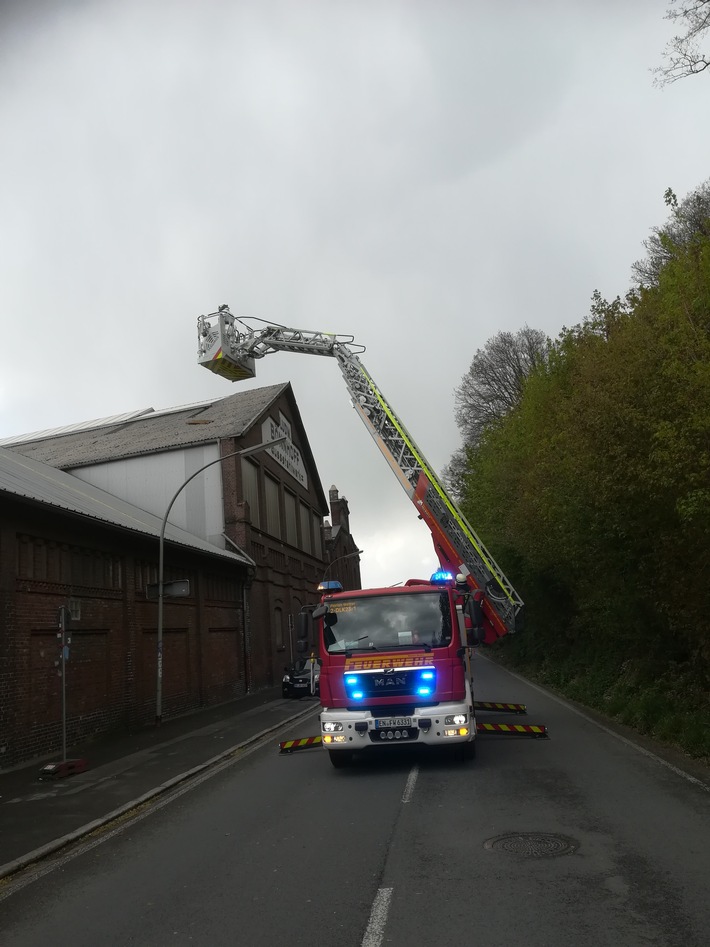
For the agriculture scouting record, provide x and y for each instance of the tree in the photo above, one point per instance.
(598, 484)
(455, 473)
(594, 494)
(493, 385)
(689, 221)
(682, 54)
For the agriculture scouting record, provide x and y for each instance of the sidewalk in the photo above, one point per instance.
(40, 816)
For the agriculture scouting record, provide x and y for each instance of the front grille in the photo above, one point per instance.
(396, 684)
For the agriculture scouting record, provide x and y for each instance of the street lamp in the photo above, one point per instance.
(348, 555)
(243, 453)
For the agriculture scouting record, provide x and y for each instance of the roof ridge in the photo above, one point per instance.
(63, 429)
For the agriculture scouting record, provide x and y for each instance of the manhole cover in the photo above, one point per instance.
(536, 844)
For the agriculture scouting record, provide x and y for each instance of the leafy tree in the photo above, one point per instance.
(683, 55)
(689, 222)
(594, 493)
(600, 478)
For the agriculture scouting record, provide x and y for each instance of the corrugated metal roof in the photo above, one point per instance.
(147, 431)
(70, 428)
(27, 478)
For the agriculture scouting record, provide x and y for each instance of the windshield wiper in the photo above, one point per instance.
(373, 647)
(349, 651)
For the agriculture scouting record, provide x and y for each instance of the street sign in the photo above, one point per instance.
(179, 588)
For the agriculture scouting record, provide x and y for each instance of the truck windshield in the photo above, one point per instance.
(384, 622)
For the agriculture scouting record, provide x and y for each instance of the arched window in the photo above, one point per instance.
(278, 628)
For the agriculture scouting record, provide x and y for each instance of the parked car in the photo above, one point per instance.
(296, 681)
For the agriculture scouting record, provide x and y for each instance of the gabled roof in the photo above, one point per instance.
(136, 433)
(28, 479)
(147, 431)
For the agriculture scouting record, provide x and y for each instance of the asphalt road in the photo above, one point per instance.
(579, 840)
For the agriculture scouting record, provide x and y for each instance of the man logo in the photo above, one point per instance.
(390, 681)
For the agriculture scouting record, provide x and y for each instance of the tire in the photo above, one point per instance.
(465, 751)
(340, 758)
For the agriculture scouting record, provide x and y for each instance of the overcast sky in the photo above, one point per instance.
(420, 175)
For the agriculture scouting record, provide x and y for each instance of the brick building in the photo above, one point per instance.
(247, 532)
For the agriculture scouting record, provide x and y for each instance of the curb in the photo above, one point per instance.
(43, 851)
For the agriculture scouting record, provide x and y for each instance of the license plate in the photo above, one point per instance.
(300, 685)
(387, 722)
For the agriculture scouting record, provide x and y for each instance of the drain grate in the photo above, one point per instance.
(534, 844)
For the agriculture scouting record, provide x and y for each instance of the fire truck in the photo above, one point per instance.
(395, 663)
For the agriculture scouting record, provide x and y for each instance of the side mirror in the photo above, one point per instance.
(473, 610)
(303, 625)
(319, 611)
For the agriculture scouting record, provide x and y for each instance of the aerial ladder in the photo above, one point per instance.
(229, 346)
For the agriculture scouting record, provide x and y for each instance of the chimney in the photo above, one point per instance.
(339, 512)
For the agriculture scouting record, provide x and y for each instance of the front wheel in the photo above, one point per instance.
(340, 758)
(465, 751)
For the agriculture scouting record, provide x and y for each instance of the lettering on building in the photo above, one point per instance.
(286, 454)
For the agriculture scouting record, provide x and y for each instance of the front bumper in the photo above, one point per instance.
(422, 725)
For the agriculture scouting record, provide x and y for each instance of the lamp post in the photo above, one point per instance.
(348, 555)
(243, 453)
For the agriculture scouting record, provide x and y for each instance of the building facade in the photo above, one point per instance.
(235, 631)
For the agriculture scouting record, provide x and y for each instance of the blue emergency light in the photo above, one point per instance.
(353, 687)
(426, 682)
(440, 577)
(331, 585)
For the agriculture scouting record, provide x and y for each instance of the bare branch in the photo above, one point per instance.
(682, 53)
(493, 384)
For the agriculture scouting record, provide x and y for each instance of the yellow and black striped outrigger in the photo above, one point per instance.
(500, 707)
(304, 743)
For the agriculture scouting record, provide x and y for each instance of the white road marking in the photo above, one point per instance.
(613, 733)
(411, 783)
(378, 918)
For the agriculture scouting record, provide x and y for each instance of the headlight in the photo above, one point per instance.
(455, 720)
(286, 679)
(330, 727)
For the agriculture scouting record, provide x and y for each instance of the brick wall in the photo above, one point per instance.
(48, 559)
